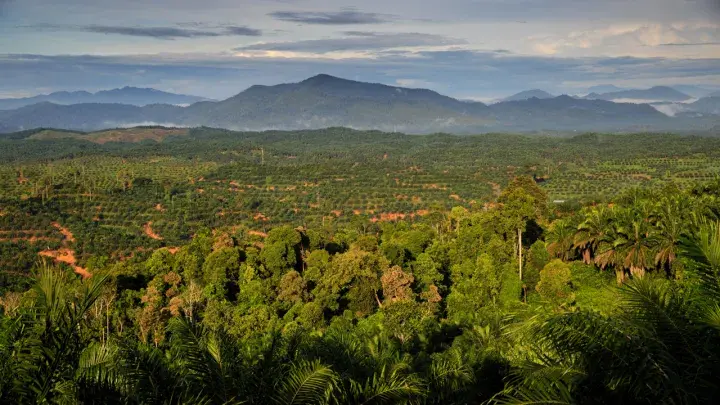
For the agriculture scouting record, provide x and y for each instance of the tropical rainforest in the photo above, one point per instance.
(200, 266)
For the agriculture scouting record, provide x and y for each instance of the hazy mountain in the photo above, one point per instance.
(87, 117)
(325, 101)
(657, 93)
(694, 91)
(706, 105)
(569, 113)
(126, 95)
(527, 94)
(604, 88)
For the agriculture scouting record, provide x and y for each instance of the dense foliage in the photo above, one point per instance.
(513, 299)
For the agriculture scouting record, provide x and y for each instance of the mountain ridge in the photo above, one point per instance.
(139, 96)
(656, 93)
(325, 101)
(527, 94)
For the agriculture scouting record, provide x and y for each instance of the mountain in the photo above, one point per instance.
(524, 95)
(87, 117)
(657, 93)
(569, 113)
(126, 95)
(326, 101)
(693, 91)
(604, 88)
(323, 101)
(706, 105)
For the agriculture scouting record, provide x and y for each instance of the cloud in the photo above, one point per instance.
(691, 44)
(156, 32)
(242, 30)
(458, 73)
(153, 32)
(628, 39)
(357, 41)
(3, 5)
(345, 17)
(413, 83)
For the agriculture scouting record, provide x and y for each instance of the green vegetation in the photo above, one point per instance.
(344, 267)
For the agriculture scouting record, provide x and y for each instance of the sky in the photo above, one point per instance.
(468, 49)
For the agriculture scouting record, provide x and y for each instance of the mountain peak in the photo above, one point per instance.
(528, 94)
(323, 78)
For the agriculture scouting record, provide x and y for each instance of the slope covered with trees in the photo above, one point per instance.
(122, 283)
(430, 312)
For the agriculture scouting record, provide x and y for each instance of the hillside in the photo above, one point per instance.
(324, 101)
(568, 113)
(129, 135)
(225, 264)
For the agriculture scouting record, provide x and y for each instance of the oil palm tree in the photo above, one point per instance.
(41, 349)
(560, 239)
(662, 348)
(670, 223)
(591, 231)
(636, 243)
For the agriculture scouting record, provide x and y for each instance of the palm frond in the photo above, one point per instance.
(541, 391)
(387, 386)
(307, 383)
(449, 374)
(100, 364)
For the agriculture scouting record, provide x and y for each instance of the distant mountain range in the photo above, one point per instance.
(657, 93)
(528, 94)
(707, 105)
(326, 101)
(126, 95)
(694, 91)
(604, 88)
(687, 89)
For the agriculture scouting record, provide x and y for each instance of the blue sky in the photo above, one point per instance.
(479, 49)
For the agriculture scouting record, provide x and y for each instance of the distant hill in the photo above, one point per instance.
(706, 105)
(325, 101)
(126, 95)
(527, 94)
(87, 117)
(136, 134)
(569, 113)
(657, 93)
(694, 91)
(604, 88)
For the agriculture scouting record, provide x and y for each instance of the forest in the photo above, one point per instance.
(203, 266)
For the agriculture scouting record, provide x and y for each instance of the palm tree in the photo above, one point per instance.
(670, 223)
(560, 239)
(609, 241)
(664, 346)
(591, 231)
(636, 243)
(40, 350)
(308, 382)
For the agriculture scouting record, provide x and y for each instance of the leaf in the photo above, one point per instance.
(307, 383)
